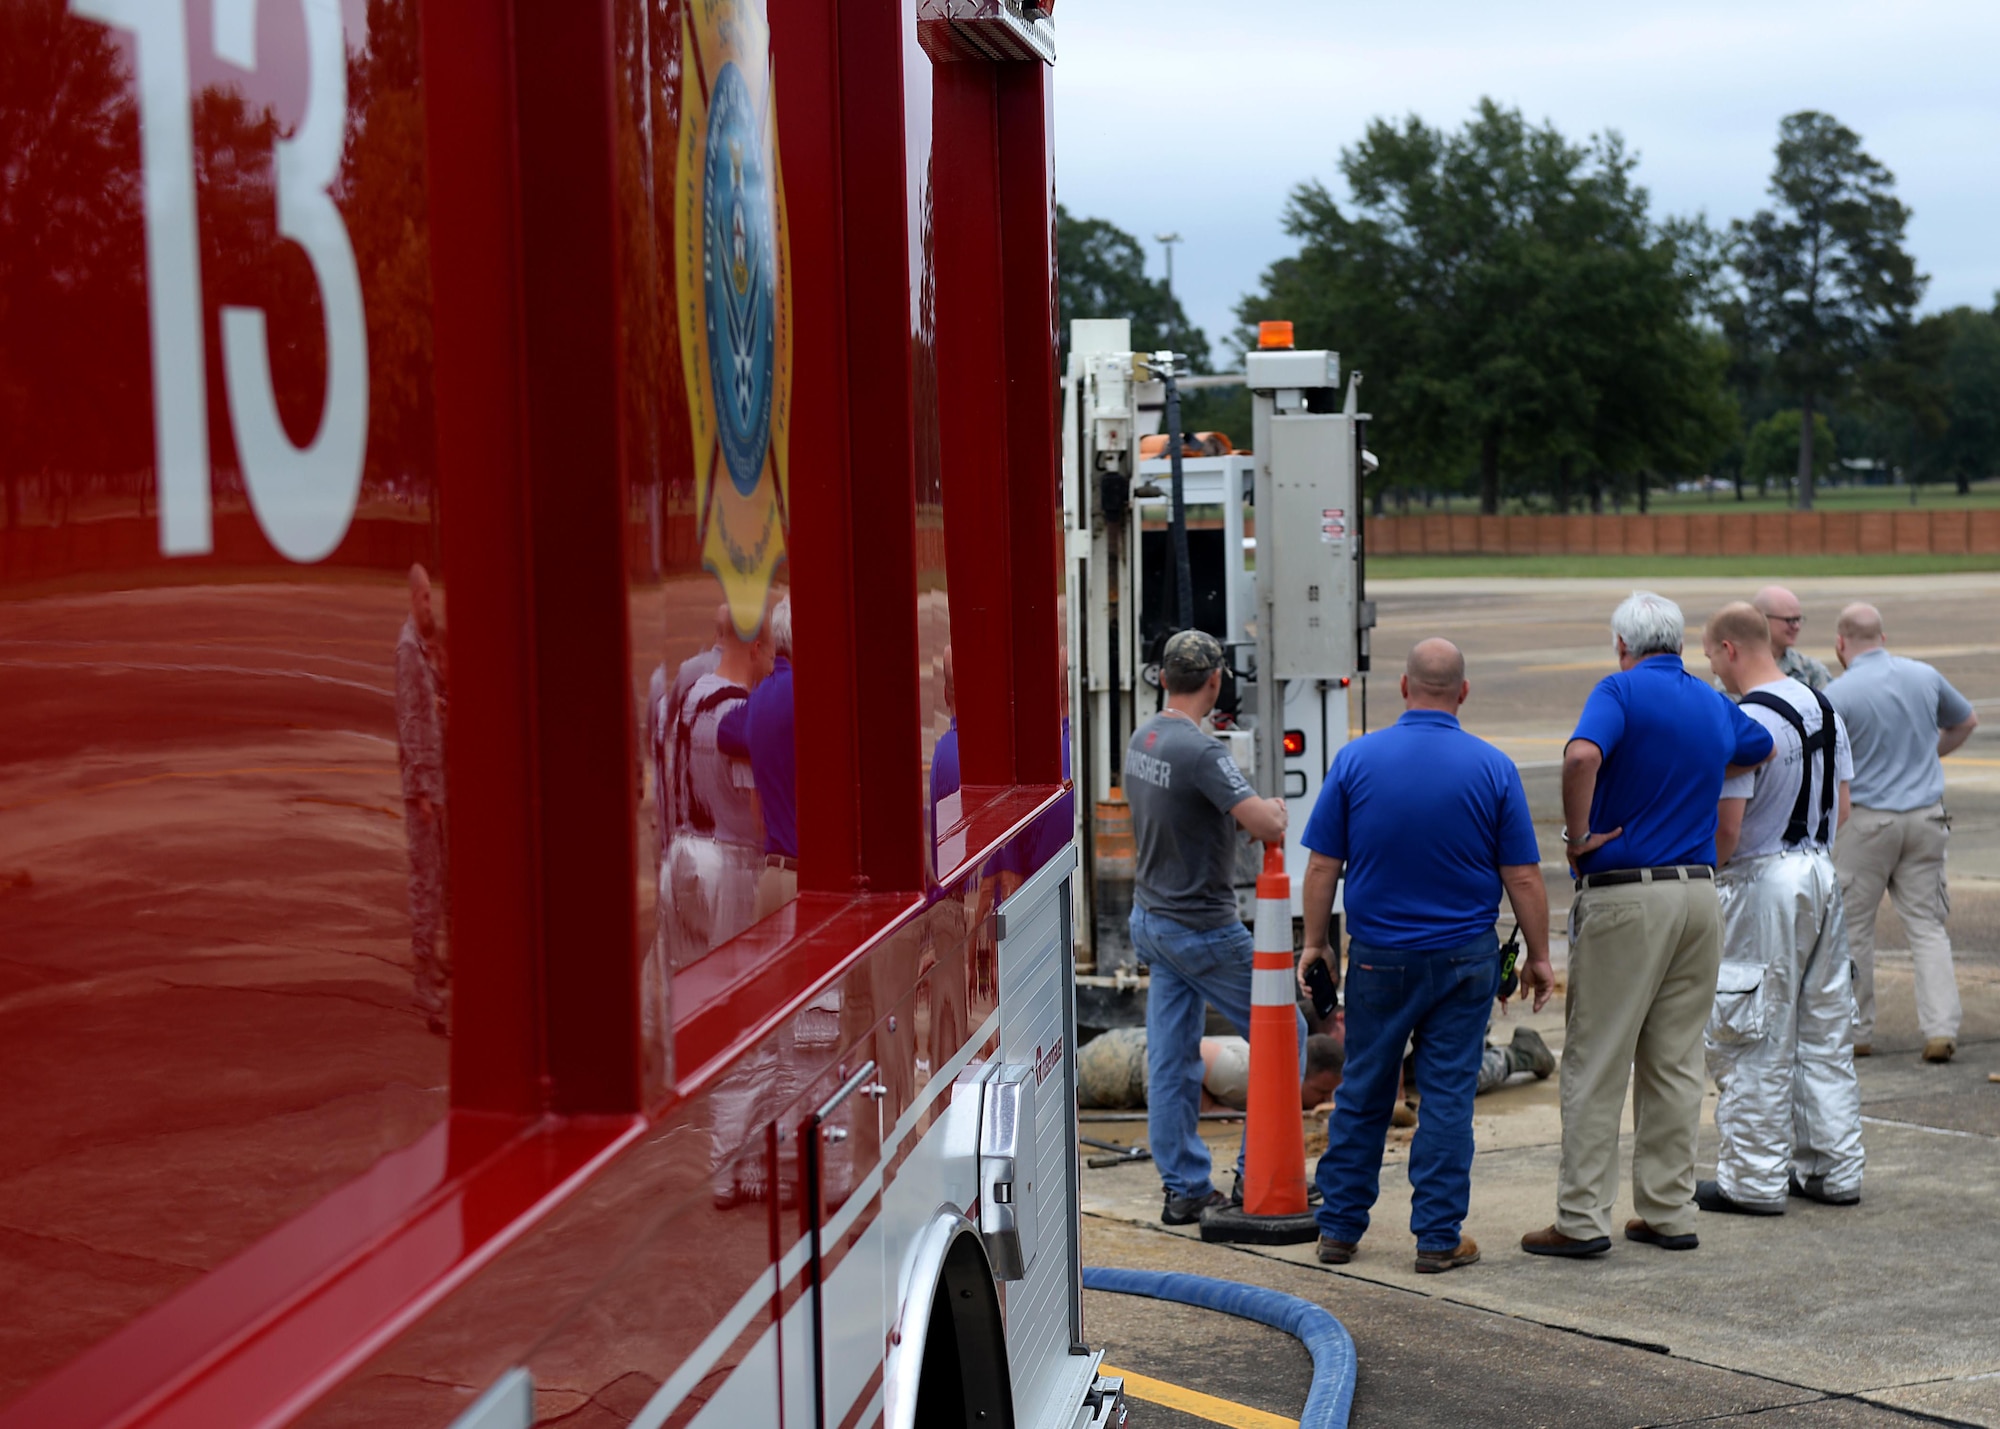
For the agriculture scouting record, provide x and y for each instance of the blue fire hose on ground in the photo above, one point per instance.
(1325, 1338)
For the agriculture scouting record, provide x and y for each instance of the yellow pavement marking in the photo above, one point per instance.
(1201, 1406)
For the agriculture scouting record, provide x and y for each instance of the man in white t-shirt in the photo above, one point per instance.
(1780, 1041)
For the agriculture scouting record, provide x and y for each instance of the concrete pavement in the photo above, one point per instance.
(1893, 1303)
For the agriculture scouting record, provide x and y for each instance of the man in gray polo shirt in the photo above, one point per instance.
(1904, 717)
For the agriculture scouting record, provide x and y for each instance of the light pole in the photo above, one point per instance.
(1167, 241)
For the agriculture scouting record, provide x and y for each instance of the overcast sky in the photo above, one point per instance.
(1201, 117)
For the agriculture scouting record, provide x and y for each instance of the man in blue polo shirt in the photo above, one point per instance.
(1640, 781)
(761, 730)
(1429, 824)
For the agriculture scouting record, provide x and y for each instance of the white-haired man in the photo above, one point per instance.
(1904, 717)
(1640, 782)
(1780, 1040)
(1787, 619)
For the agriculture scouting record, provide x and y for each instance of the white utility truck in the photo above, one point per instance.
(1275, 556)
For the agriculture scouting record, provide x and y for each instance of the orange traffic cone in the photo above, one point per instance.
(1274, 1160)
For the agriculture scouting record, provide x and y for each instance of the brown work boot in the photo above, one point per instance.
(1940, 1049)
(1553, 1242)
(1336, 1252)
(1437, 1262)
(1643, 1232)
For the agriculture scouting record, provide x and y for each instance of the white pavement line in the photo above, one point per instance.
(1933, 1130)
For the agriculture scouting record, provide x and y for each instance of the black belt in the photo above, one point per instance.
(1671, 873)
(778, 860)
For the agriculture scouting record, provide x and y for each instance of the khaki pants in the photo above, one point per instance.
(1902, 854)
(1642, 961)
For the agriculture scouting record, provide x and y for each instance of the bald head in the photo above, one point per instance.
(1434, 676)
(1787, 616)
(1861, 622)
(1858, 631)
(1737, 641)
(1739, 624)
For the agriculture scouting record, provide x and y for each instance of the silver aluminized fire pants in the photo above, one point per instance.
(1780, 1041)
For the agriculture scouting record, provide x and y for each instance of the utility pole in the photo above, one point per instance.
(1167, 242)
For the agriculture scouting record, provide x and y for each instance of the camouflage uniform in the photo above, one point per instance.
(1111, 1069)
(1803, 668)
(420, 741)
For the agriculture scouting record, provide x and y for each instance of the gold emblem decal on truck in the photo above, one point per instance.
(733, 287)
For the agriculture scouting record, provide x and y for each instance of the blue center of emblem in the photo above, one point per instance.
(739, 267)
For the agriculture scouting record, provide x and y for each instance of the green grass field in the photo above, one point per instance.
(1389, 568)
(1985, 495)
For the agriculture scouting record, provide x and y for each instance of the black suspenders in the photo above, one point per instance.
(1823, 739)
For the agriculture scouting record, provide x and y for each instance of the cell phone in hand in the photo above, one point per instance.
(1319, 982)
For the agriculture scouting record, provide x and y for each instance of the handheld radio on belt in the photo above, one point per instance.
(1510, 957)
(1822, 739)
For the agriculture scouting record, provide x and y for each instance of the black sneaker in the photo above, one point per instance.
(1186, 1210)
(1709, 1196)
(1813, 1188)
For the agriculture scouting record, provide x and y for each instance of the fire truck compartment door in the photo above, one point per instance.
(848, 1265)
(1008, 1208)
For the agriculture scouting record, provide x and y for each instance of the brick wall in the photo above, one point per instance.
(1761, 533)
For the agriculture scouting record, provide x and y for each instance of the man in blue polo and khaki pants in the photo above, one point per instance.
(1429, 823)
(1640, 783)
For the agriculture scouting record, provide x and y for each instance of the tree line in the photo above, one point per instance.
(1531, 333)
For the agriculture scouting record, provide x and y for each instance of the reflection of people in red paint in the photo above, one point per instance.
(715, 853)
(420, 705)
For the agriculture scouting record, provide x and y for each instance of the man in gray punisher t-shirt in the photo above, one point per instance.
(1188, 800)
(1180, 781)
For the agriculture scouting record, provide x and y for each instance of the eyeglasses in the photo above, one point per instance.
(1789, 619)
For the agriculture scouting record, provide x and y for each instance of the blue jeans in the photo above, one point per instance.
(1190, 969)
(1443, 998)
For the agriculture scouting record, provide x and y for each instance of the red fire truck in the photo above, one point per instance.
(511, 910)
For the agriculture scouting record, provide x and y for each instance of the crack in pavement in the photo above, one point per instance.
(1730, 1416)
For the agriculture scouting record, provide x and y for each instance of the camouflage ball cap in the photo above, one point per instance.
(1191, 652)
